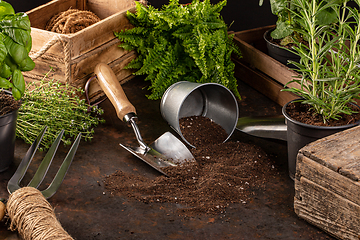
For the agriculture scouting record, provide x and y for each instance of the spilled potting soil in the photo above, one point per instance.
(224, 173)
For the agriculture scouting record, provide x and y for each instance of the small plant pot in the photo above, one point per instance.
(300, 134)
(7, 138)
(279, 53)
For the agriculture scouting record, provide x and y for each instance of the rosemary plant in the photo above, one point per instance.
(58, 106)
(329, 70)
(181, 43)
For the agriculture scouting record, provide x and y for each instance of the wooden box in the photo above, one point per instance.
(258, 69)
(73, 57)
(327, 187)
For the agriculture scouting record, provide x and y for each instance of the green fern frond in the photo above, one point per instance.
(181, 43)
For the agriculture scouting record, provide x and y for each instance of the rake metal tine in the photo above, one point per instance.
(15, 180)
(59, 177)
(46, 162)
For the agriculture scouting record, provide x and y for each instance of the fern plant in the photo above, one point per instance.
(180, 43)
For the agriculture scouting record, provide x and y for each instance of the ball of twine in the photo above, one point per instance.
(33, 217)
(71, 21)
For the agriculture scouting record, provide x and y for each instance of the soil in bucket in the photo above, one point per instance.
(224, 173)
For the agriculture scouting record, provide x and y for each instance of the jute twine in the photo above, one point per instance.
(71, 21)
(33, 217)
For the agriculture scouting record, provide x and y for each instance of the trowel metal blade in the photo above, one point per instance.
(152, 158)
(264, 126)
(171, 147)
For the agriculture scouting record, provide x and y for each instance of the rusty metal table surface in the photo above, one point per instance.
(87, 211)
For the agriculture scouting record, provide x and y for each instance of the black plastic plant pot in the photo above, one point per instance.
(300, 134)
(7, 138)
(280, 54)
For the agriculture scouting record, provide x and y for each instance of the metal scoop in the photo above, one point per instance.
(165, 151)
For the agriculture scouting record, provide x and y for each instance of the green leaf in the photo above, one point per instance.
(27, 64)
(3, 51)
(277, 6)
(16, 93)
(17, 27)
(282, 30)
(6, 9)
(5, 71)
(17, 52)
(18, 81)
(4, 83)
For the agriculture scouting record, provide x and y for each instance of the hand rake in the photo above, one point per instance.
(14, 182)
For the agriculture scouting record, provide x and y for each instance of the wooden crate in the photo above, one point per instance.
(74, 56)
(258, 69)
(327, 187)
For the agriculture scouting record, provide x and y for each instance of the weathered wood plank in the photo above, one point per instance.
(265, 63)
(102, 9)
(262, 83)
(254, 35)
(107, 53)
(53, 7)
(329, 179)
(339, 152)
(99, 33)
(327, 210)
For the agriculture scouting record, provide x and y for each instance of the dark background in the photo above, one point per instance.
(237, 14)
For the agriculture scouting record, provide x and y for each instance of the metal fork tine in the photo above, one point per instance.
(59, 177)
(13, 183)
(46, 162)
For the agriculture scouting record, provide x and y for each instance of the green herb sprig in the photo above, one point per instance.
(181, 43)
(329, 66)
(58, 106)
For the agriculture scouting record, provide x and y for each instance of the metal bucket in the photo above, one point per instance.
(211, 100)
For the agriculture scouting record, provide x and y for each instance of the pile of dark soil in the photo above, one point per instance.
(7, 103)
(304, 114)
(201, 131)
(224, 173)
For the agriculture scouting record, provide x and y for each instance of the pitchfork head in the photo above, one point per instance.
(14, 182)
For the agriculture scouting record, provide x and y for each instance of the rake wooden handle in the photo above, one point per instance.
(113, 90)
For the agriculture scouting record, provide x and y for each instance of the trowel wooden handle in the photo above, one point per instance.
(113, 90)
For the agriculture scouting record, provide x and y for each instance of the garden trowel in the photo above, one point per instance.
(165, 151)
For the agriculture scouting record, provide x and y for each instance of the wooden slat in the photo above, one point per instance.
(107, 53)
(262, 83)
(327, 210)
(339, 152)
(327, 187)
(99, 33)
(260, 60)
(329, 179)
(106, 8)
(253, 35)
(40, 15)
